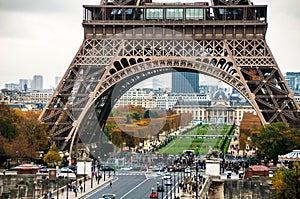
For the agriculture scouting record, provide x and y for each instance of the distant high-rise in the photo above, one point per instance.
(12, 86)
(57, 80)
(293, 80)
(37, 83)
(155, 83)
(25, 84)
(185, 82)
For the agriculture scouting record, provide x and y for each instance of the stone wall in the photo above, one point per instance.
(255, 188)
(25, 185)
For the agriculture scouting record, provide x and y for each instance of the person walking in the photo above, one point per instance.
(110, 184)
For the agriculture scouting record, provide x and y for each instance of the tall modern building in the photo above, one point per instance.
(37, 83)
(25, 84)
(293, 80)
(185, 82)
(57, 80)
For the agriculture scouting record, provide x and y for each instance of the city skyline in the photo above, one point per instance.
(38, 49)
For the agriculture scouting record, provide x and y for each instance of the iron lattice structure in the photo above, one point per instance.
(125, 45)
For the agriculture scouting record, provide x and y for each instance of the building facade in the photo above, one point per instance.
(37, 83)
(293, 80)
(185, 82)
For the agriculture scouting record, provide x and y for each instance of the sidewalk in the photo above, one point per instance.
(88, 189)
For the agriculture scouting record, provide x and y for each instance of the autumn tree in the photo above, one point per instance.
(8, 122)
(286, 183)
(52, 157)
(21, 134)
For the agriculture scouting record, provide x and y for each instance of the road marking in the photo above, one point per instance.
(98, 189)
(135, 187)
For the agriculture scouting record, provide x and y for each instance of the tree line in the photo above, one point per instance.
(21, 135)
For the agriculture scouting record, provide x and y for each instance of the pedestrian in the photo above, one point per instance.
(110, 184)
(81, 188)
(75, 191)
(50, 195)
(100, 176)
(62, 191)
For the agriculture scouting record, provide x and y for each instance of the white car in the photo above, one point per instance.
(168, 182)
(126, 169)
(167, 176)
(66, 173)
(187, 170)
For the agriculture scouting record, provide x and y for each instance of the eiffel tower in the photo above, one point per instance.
(128, 41)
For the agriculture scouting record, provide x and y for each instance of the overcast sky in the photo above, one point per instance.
(39, 37)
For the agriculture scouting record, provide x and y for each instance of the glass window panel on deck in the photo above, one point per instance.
(174, 14)
(154, 14)
(194, 14)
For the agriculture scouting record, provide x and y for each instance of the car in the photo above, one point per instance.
(167, 176)
(126, 169)
(168, 182)
(158, 168)
(153, 195)
(187, 170)
(107, 168)
(109, 196)
(66, 173)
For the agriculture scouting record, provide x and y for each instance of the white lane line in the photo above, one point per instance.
(135, 187)
(98, 189)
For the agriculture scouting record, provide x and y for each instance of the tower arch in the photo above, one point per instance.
(120, 51)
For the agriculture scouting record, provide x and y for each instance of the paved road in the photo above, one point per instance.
(129, 185)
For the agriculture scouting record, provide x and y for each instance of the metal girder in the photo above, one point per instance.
(105, 68)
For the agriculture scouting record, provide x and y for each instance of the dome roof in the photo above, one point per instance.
(220, 95)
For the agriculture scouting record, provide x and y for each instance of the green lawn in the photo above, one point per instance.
(178, 145)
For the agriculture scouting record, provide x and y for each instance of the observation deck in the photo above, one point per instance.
(199, 20)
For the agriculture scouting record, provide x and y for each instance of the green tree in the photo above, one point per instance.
(52, 157)
(147, 114)
(135, 115)
(275, 139)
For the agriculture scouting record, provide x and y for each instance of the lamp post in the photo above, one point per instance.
(69, 159)
(196, 180)
(162, 184)
(84, 176)
(174, 184)
(34, 185)
(92, 173)
(178, 182)
(297, 183)
(67, 185)
(57, 188)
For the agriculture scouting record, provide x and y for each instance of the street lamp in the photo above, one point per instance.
(34, 185)
(297, 183)
(196, 180)
(84, 176)
(162, 184)
(92, 173)
(57, 188)
(69, 159)
(174, 177)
